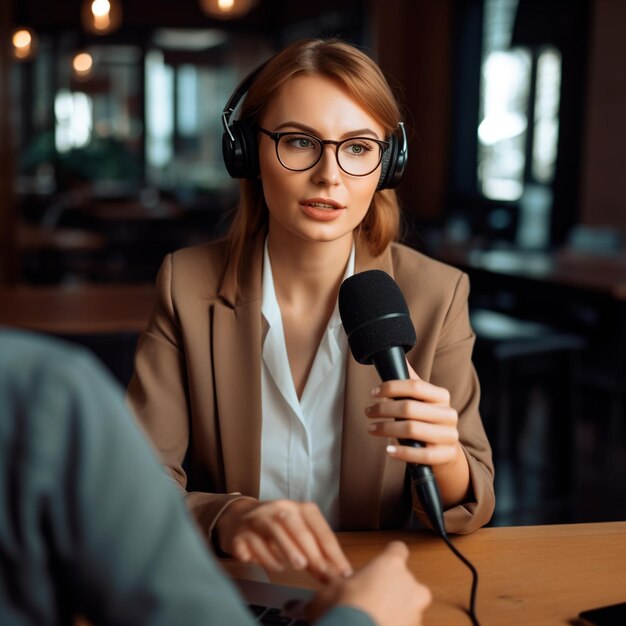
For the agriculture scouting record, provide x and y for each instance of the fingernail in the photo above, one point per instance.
(372, 427)
(347, 573)
(392, 449)
(375, 390)
(368, 410)
(299, 562)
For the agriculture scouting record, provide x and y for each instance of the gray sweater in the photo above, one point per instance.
(89, 523)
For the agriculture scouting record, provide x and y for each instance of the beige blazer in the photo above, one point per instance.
(196, 388)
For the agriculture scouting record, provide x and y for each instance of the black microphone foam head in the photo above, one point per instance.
(375, 315)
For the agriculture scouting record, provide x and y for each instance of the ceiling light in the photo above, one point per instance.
(82, 64)
(24, 43)
(226, 9)
(101, 17)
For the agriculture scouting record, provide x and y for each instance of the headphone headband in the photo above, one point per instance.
(237, 96)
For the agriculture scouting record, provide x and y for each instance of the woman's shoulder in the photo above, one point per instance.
(407, 262)
(418, 274)
(211, 252)
(202, 264)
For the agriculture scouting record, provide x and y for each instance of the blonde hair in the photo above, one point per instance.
(364, 82)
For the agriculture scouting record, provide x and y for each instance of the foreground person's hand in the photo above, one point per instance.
(282, 534)
(384, 588)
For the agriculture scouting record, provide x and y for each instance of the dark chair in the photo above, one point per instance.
(530, 408)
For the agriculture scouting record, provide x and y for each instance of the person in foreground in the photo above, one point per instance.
(91, 525)
(243, 378)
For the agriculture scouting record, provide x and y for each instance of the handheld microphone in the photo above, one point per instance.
(376, 319)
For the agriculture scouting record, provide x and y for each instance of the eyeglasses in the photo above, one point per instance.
(357, 156)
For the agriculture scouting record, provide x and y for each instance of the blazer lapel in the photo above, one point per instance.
(237, 334)
(365, 466)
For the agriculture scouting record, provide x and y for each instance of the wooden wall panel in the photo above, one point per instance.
(413, 40)
(603, 181)
(8, 251)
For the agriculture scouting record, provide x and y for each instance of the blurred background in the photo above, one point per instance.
(110, 157)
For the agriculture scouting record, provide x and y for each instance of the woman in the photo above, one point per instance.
(244, 380)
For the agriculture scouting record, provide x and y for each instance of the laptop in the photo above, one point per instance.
(272, 603)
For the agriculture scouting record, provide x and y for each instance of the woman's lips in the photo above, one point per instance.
(321, 211)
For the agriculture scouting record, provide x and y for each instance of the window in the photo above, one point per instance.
(189, 78)
(73, 114)
(519, 103)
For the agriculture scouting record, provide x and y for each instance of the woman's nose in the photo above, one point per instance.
(326, 170)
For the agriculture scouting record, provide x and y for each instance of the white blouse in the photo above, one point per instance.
(301, 439)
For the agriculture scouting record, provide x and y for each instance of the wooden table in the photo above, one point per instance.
(105, 319)
(78, 310)
(529, 575)
(583, 271)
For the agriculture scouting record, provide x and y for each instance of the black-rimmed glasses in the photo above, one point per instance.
(298, 151)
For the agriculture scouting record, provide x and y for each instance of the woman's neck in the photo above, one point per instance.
(307, 276)
(308, 273)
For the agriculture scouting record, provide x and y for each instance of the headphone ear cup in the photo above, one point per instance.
(394, 160)
(388, 163)
(384, 168)
(241, 154)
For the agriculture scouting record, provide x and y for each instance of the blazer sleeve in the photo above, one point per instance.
(158, 395)
(452, 369)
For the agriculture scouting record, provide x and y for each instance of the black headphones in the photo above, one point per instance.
(241, 153)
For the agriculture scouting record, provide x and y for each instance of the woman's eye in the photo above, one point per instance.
(358, 148)
(302, 143)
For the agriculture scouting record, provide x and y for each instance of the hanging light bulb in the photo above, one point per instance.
(101, 17)
(226, 9)
(82, 64)
(24, 44)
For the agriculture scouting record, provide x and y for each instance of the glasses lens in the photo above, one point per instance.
(359, 156)
(298, 152)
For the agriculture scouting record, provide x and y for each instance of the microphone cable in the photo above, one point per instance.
(427, 491)
(472, 603)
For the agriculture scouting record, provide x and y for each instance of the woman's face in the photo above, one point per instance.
(323, 203)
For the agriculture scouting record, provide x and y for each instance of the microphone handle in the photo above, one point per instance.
(391, 365)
